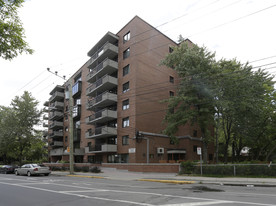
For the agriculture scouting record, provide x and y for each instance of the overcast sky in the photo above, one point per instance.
(62, 32)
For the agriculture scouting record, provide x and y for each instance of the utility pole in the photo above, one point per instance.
(71, 128)
(71, 136)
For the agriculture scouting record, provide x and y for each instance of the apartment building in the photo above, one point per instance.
(117, 103)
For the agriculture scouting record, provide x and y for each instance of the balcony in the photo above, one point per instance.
(101, 132)
(57, 88)
(56, 144)
(77, 151)
(76, 111)
(56, 105)
(56, 134)
(45, 117)
(45, 124)
(56, 115)
(56, 152)
(101, 116)
(76, 89)
(57, 96)
(101, 148)
(107, 66)
(102, 100)
(103, 84)
(56, 125)
(45, 133)
(46, 104)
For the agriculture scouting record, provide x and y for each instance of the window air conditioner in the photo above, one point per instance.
(160, 150)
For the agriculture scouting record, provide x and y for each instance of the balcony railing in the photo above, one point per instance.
(102, 116)
(102, 100)
(55, 115)
(56, 134)
(56, 144)
(45, 117)
(107, 50)
(56, 125)
(103, 84)
(107, 66)
(56, 152)
(56, 105)
(57, 96)
(101, 132)
(101, 148)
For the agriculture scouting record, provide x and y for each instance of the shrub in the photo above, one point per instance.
(85, 169)
(95, 169)
(187, 167)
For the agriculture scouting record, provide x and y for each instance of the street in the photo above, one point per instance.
(72, 191)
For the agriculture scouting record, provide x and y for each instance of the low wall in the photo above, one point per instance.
(132, 167)
(158, 167)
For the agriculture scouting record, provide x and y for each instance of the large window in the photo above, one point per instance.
(171, 79)
(125, 87)
(126, 70)
(125, 122)
(125, 104)
(126, 37)
(126, 53)
(125, 140)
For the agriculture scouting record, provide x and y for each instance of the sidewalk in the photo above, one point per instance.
(114, 174)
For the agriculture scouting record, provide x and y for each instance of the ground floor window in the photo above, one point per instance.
(96, 159)
(176, 156)
(120, 158)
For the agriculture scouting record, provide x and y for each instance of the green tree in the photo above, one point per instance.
(27, 116)
(194, 101)
(7, 119)
(12, 35)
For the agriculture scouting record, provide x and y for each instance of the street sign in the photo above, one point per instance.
(199, 150)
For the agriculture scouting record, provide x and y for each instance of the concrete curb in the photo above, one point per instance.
(167, 181)
(86, 176)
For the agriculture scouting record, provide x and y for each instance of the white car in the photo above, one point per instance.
(32, 169)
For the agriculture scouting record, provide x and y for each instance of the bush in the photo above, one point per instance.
(187, 167)
(95, 169)
(85, 169)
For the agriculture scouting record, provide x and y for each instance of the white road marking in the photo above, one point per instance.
(199, 203)
(135, 192)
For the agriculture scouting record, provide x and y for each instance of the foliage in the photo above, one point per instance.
(226, 95)
(18, 138)
(194, 102)
(11, 30)
(95, 169)
(187, 167)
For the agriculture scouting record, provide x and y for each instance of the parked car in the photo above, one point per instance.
(7, 169)
(33, 169)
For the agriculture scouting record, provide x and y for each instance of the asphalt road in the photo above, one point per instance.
(77, 191)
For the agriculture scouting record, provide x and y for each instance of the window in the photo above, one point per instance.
(125, 122)
(170, 49)
(125, 140)
(126, 53)
(125, 87)
(66, 129)
(66, 138)
(125, 104)
(171, 79)
(126, 37)
(171, 93)
(126, 70)
(195, 133)
(195, 148)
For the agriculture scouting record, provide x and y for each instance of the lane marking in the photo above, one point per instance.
(199, 203)
(133, 192)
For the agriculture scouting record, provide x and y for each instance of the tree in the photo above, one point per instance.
(194, 102)
(27, 116)
(7, 118)
(12, 35)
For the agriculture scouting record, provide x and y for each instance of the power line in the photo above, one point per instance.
(229, 22)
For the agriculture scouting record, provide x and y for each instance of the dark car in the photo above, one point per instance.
(7, 169)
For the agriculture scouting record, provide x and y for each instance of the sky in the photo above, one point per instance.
(62, 32)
